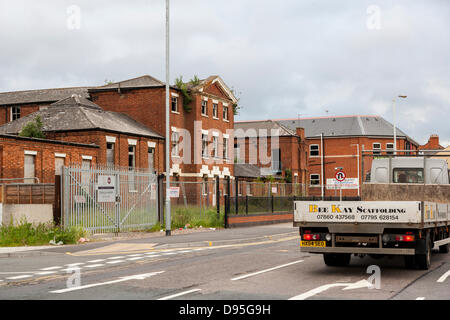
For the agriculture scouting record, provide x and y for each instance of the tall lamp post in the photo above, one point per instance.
(168, 219)
(395, 130)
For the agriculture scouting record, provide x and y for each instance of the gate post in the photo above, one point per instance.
(218, 197)
(236, 206)
(160, 199)
(227, 208)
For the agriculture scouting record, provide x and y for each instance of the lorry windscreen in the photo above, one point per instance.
(408, 175)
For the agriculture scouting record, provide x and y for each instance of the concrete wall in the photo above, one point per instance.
(405, 192)
(33, 213)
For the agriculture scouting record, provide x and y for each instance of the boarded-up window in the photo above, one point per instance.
(59, 164)
(29, 168)
(110, 154)
(151, 159)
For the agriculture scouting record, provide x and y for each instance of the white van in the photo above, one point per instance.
(409, 170)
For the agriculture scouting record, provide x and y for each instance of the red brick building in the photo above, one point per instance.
(432, 144)
(111, 138)
(277, 150)
(201, 130)
(337, 142)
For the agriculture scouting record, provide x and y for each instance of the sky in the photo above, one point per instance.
(284, 59)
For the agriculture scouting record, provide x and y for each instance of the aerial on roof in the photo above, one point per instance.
(269, 127)
(41, 96)
(77, 113)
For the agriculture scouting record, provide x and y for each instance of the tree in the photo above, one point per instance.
(33, 129)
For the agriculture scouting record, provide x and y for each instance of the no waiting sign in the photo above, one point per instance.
(340, 176)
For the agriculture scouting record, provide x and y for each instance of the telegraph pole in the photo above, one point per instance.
(168, 218)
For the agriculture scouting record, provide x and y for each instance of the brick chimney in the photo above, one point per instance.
(301, 133)
(432, 144)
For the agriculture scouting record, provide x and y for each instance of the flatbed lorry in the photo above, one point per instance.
(338, 229)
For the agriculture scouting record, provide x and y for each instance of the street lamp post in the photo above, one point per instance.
(167, 202)
(395, 130)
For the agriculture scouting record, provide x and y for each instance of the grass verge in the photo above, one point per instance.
(28, 234)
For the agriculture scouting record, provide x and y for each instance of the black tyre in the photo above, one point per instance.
(443, 249)
(337, 259)
(424, 260)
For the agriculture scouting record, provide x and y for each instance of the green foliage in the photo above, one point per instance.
(187, 98)
(33, 129)
(288, 175)
(28, 234)
(236, 106)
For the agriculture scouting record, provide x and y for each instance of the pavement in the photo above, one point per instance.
(162, 241)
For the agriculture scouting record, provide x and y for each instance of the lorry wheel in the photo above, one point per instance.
(337, 259)
(424, 260)
(443, 249)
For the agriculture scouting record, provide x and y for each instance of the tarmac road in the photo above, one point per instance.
(257, 263)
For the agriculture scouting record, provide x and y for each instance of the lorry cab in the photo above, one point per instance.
(419, 170)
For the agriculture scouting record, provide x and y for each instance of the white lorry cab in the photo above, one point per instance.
(409, 170)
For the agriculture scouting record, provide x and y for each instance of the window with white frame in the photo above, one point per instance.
(314, 179)
(204, 145)
(215, 144)
(225, 112)
(29, 167)
(15, 113)
(314, 150)
(376, 146)
(389, 147)
(131, 156)
(225, 148)
(215, 110)
(110, 153)
(174, 104)
(175, 139)
(204, 107)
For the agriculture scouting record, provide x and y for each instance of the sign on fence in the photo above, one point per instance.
(347, 183)
(106, 187)
(174, 192)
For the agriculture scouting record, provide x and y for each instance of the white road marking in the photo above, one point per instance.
(94, 265)
(318, 290)
(20, 277)
(184, 251)
(179, 294)
(114, 258)
(95, 261)
(135, 255)
(266, 270)
(348, 286)
(50, 268)
(135, 258)
(115, 261)
(420, 298)
(74, 264)
(444, 276)
(45, 273)
(122, 279)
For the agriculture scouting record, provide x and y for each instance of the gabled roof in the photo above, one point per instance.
(144, 81)
(205, 83)
(267, 125)
(41, 96)
(77, 113)
(354, 125)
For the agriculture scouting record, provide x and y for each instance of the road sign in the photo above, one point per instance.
(340, 176)
(106, 189)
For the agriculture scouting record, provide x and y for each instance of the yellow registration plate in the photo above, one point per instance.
(313, 244)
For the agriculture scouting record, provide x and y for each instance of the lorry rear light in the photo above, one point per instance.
(404, 238)
(307, 237)
(328, 237)
(316, 236)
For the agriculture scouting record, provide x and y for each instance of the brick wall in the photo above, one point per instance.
(12, 156)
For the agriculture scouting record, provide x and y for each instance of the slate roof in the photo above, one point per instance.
(41, 96)
(354, 125)
(144, 81)
(77, 113)
(267, 125)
